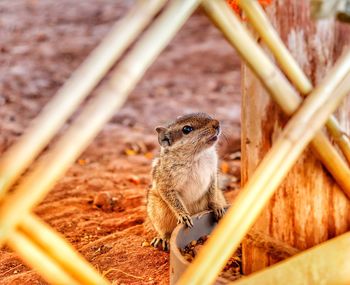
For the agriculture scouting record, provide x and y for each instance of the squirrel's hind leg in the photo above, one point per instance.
(162, 219)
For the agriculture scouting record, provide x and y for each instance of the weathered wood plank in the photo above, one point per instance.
(308, 208)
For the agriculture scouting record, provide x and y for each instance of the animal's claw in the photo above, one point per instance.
(186, 220)
(159, 241)
(219, 213)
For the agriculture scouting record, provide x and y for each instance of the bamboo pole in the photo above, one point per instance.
(340, 137)
(37, 259)
(37, 183)
(71, 94)
(327, 263)
(277, 85)
(60, 251)
(269, 174)
(261, 23)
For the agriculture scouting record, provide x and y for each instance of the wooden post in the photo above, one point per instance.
(308, 208)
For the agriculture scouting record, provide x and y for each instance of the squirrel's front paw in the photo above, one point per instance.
(219, 212)
(185, 219)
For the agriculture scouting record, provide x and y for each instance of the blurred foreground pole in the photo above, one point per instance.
(326, 9)
(308, 208)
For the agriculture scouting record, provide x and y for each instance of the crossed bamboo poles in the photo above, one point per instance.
(45, 250)
(300, 130)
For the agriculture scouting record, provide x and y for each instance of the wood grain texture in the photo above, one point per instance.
(308, 208)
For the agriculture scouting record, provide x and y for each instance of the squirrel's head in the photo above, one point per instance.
(190, 133)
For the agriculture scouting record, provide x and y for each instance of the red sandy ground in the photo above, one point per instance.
(42, 42)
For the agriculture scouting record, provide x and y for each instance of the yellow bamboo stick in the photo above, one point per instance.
(62, 252)
(263, 183)
(327, 263)
(339, 135)
(261, 23)
(276, 83)
(37, 183)
(71, 94)
(38, 260)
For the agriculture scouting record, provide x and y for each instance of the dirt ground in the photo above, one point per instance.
(42, 42)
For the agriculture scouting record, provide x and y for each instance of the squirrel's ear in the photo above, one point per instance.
(160, 130)
(163, 138)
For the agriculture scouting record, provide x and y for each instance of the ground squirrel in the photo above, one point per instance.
(184, 175)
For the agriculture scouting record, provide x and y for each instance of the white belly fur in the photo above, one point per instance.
(196, 182)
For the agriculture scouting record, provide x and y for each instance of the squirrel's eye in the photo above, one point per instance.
(187, 129)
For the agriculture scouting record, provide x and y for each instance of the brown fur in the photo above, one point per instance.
(184, 176)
